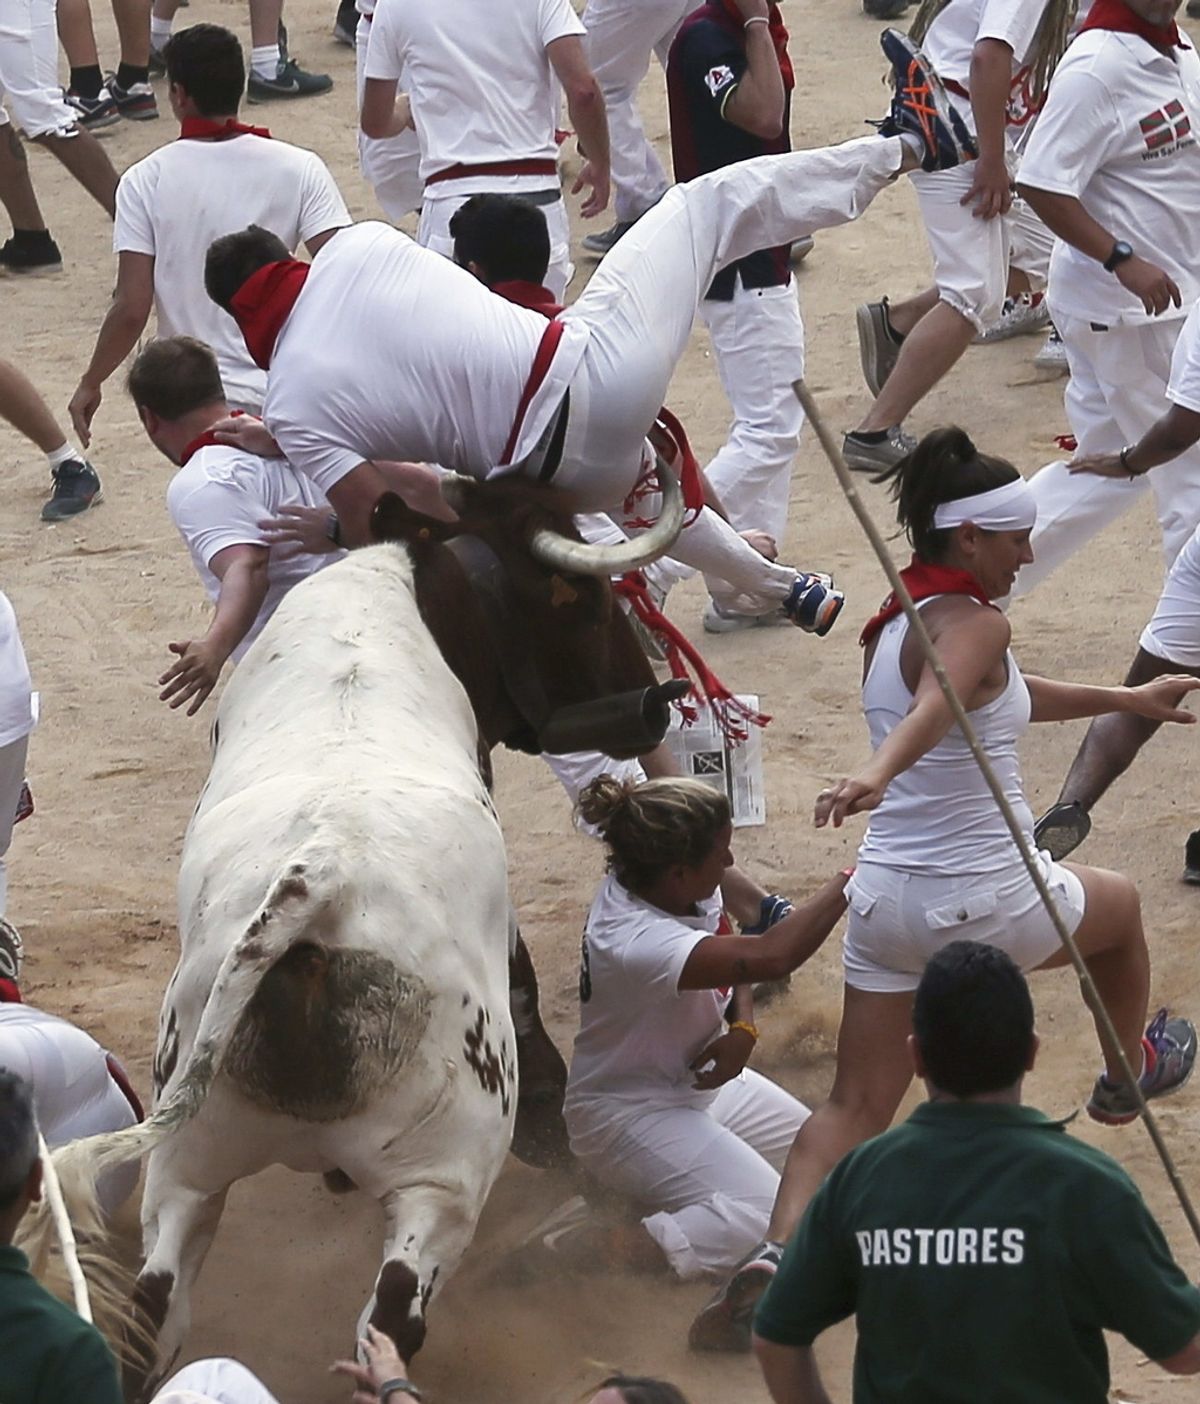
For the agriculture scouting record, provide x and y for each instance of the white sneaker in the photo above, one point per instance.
(1053, 355)
(1022, 316)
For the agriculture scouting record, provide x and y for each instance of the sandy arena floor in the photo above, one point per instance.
(115, 774)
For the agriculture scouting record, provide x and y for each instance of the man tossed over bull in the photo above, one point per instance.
(381, 349)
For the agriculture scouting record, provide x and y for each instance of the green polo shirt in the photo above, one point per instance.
(984, 1251)
(48, 1355)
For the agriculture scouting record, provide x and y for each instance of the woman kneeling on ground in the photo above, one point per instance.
(938, 861)
(660, 1105)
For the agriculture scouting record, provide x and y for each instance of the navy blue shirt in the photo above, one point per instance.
(705, 64)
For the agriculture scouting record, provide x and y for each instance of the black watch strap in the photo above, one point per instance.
(1120, 252)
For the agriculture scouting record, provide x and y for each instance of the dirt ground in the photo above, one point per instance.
(115, 774)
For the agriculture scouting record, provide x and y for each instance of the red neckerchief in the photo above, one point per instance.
(9, 993)
(202, 128)
(924, 580)
(1117, 16)
(203, 440)
(779, 36)
(531, 295)
(262, 305)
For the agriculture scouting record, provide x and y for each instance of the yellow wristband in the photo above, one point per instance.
(751, 1029)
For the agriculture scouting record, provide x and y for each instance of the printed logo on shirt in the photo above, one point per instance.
(719, 78)
(1166, 130)
(945, 1247)
(585, 973)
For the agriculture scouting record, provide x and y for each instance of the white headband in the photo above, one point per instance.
(1012, 507)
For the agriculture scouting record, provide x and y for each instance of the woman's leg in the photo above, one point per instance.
(873, 1073)
(1112, 942)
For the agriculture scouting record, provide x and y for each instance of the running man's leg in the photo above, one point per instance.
(1170, 643)
(1074, 507)
(26, 411)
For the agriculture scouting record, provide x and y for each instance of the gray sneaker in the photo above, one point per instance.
(1172, 1041)
(606, 239)
(866, 457)
(1022, 316)
(723, 1323)
(878, 348)
(290, 81)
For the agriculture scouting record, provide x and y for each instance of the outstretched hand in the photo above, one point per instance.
(847, 797)
(193, 677)
(1159, 700)
(595, 179)
(383, 1364)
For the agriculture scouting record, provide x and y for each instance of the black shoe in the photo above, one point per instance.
(19, 256)
(1193, 9)
(76, 488)
(345, 24)
(290, 81)
(137, 101)
(94, 113)
(605, 240)
(1191, 859)
(1062, 829)
(884, 9)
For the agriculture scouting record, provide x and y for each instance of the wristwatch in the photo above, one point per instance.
(1120, 252)
(399, 1385)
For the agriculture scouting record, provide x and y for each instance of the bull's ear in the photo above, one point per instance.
(392, 519)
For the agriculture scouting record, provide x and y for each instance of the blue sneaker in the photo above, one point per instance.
(772, 909)
(1171, 1043)
(922, 108)
(813, 604)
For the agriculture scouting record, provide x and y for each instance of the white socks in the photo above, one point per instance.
(264, 60)
(63, 455)
(160, 32)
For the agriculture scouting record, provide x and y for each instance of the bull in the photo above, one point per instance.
(341, 1004)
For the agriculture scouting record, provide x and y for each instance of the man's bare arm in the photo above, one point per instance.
(756, 105)
(585, 105)
(123, 323)
(790, 1373)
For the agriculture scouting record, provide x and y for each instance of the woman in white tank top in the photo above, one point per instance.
(937, 862)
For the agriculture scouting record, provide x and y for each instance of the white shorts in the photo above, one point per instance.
(1173, 632)
(970, 256)
(899, 919)
(29, 69)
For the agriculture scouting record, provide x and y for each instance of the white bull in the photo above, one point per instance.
(341, 999)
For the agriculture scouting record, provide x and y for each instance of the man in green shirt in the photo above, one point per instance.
(983, 1249)
(48, 1355)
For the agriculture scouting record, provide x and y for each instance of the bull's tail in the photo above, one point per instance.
(283, 919)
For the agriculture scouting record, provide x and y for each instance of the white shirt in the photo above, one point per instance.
(638, 1031)
(1118, 133)
(180, 198)
(953, 35)
(1183, 388)
(217, 500)
(394, 352)
(18, 701)
(478, 78)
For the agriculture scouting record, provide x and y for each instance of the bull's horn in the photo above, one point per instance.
(578, 558)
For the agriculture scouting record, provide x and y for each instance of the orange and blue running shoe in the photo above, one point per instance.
(922, 108)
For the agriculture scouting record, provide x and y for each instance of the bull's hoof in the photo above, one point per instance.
(540, 1133)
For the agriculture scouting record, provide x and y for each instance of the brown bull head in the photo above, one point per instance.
(545, 653)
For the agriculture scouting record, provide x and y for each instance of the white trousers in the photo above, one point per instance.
(970, 256)
(707, 1177)
(621, 36)
(29, 69)
(1173, 632)
(215, 1381)
(433, 232)
(1117, 390)
(12, 776)
(1030, 244)
(758, 345)
(391, 166)
(641, 302)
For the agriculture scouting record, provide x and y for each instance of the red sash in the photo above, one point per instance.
(923, 581)
(537, 374)
(203, 440)
(542, 166)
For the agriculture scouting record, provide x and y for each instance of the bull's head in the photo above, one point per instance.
(523, 612)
